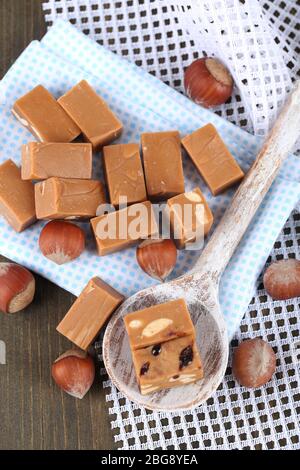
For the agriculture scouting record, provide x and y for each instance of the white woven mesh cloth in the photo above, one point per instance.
(259, 41)
(235, 417)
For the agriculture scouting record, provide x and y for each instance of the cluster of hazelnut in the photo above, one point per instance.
(254, 360)
(62, 242)
(74, 371)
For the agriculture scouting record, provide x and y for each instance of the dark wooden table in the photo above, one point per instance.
(34, 414)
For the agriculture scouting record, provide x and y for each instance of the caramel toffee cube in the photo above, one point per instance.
(124, 173)
(39, 111)
(190, 217)
(212, 159)
(171, 364)
(121, 229)
(16, 197)
(163, 164)
(61, 198)
(97, 122)
(44, 160)
(89, 313)
(157, 324)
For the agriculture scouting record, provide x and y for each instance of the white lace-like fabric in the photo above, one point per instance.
(259, 42)
(235, 417)
(257, 39)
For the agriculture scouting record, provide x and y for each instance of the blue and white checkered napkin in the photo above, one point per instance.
(143, 103)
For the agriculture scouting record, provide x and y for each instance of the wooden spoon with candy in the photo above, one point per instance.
(200, 287)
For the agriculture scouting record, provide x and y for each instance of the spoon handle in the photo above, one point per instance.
(252, 190)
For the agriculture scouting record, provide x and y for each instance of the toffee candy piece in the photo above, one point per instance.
(190, 217)
(177, 363)
(97, 122)
(157, 324)
(124, 173)
(89, 313)
(39, 111)
(61, 198)
(163, 164)
(16, 197)
(212, 159)
(44, 160)
(121, 229)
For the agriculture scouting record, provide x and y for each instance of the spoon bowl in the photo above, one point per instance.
(200, 295)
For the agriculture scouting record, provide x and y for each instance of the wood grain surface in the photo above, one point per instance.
(34, 414)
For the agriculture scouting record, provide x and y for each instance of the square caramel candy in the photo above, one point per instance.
(62, 198)
(124, 173)
(159, 323)
(90, 112)
(44, 160)
(89, 313)
(212, 159)
(121, 229)
(16, 197)
(166, 365)
(162, 164)
(190, 217)
(40, 113)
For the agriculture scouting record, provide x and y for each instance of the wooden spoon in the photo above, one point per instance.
(201, 285)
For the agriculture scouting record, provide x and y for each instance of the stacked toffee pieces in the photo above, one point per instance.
(163, 346)
(60, 164)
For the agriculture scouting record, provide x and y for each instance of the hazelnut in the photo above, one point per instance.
(254, 363)
(282, 279)
(61, 241)
(74, 372)
(208, 82)
(157, 257)
(17, 287)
